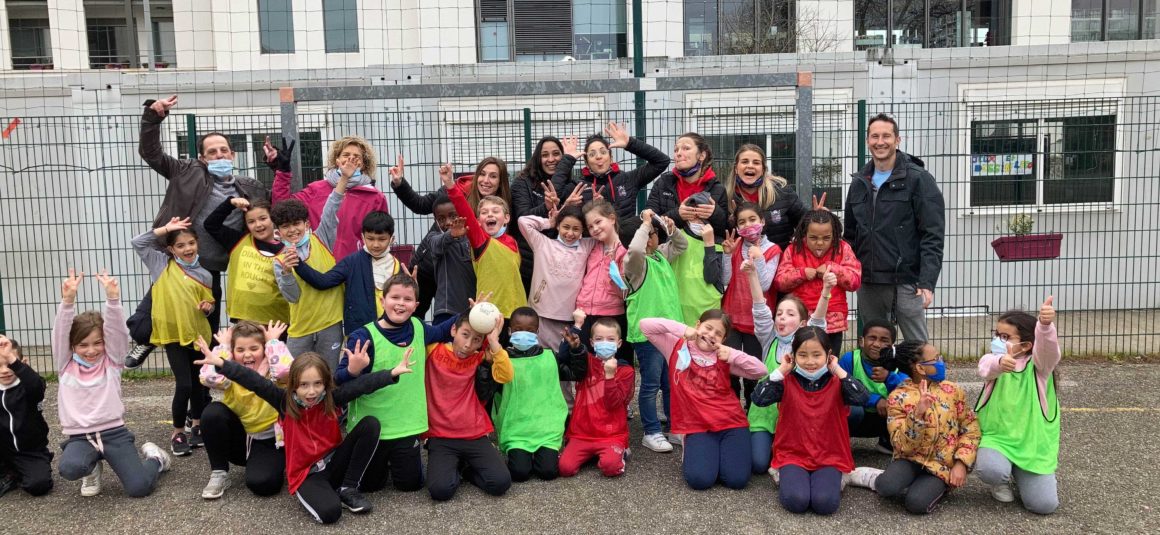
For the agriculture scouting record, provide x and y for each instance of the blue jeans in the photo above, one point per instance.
(653, 376)
(717, 456)
(761, 442)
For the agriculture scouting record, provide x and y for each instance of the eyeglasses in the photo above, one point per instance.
(1003, 337)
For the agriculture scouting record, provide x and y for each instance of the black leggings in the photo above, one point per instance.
(749, 344)
(920, 490)
(544, 463)
(625, 353)
(189, 395)
(319, 492)
(449, 460)
(401, 459)
(226, 442)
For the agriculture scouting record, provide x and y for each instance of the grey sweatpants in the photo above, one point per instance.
(138, 476)
(895, 304)
(1037, 491)
(327, 342)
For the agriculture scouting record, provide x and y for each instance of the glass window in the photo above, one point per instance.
(109, 44)
(909, 24)
(869, 24)
(1123, 20)
(1081, 155)
(31, 48)
(1003, 162)
(494, 41)
(1151, 14)
(276, 26)
(700, 27)
(599, 29)
(1113, 20)
(164, 43)
(340, 22)
(742, 27)
(1086, 20)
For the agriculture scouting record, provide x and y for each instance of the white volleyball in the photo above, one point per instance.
(483, 316)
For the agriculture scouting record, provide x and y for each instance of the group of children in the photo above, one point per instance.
(331, 380)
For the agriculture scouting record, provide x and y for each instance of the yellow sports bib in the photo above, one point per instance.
(251, 288)
(316, 309)
(497, 270)
(176, 318)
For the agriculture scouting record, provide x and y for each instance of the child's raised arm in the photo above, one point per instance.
(116, 330)
(150, 246)
(370, 382)
(1046, 353)
(665, 333)
(244, 377)
(475, 233)
(65, 313)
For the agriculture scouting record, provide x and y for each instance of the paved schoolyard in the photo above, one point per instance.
(1111, 428)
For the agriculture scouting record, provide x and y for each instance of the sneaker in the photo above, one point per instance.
(153, 451)
(195, 440)
(675, 439)
(864, 476)
(91, 484)
(136, 357)
(775, 474)
(885, 448)
(627, 455)
(1003, 493)
(657, 443)
(7, 483)
(219, 481)
(354, 501)
(180, 444)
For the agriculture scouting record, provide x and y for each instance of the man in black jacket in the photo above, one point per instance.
(895, 222)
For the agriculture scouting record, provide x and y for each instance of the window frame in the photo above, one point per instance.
(344, 17)
(43, 40)
(264, 32)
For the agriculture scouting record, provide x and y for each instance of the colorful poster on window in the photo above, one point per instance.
(1002, 164)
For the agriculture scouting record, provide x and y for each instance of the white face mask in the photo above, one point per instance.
(696, 228)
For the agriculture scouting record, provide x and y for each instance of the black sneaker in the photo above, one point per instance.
(354, 501)
(180, 444)
(195, 440)
(136, 356)
(7, 483)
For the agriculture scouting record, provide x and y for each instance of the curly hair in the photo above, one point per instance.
(369, 160)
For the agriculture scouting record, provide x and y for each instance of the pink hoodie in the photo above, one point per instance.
(559, 270)
(356, 204)
(89, 399)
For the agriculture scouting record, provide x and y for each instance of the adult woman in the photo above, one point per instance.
(692, 174)
(752, 182)
(532, 185)
(490, 178)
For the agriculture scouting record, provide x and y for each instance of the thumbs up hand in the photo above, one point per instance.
(1047, 311)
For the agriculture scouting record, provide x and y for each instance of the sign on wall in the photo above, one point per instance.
(1002, 164)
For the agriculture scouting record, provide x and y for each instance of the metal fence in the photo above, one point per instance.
(73, 192)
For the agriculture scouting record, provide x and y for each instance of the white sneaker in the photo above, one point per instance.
(1003, 493)
(219, 481)
(675, 439)
(657, 443)
(153, 451)
(91, 484)
(776, 475)
(864, 476)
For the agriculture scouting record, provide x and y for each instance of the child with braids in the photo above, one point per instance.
(817, 254)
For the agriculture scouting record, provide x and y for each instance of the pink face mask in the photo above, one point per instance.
(752, 233)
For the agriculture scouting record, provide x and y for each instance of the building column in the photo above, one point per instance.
(5, 39)
(70, 42)
(1040, 22)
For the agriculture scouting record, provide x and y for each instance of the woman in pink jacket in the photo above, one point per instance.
(350, 175)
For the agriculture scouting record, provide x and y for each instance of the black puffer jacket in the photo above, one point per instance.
(618, 187)
(527, 199)
(663, 200)
(897, 231)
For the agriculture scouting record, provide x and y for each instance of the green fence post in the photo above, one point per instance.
(3, 324)
(861, 134)
(191, 140)
(527, 134)
(638, 96)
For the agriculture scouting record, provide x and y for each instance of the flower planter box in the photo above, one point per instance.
(1027, 247)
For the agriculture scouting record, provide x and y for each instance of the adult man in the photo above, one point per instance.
(196, 187)
(894, 220)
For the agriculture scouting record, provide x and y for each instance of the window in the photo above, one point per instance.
(1053, 160)
(829, 174)
(1114, 20)
(551, 30)
(276, 26)
(340, 21)
(164, 43)
(110, 44)
(714, 27)
(31, 48)
(249, 159)
(932, 23)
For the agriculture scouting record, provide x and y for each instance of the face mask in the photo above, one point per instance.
(614, 274)
(84, 364)
(220, 168)
(756, 184)
(301, 243)
(750, 233)
(502, 230)
(940, 371)
(785, 340)
(357, 172)
(524, 340)
(193, 264)
(812, 376)
(298, 401)
(573, 245)
(696, 228)
(604, 350)
(683, 357)
(690, 172)
(998, 347)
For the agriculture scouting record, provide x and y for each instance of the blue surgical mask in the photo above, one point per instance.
(573, 245)
(940, 371)
(502, 230)
(998, 347)
(604, 350)
(220, 168)
(812, 376)
(301, 243)
(684, 358)
(357, 172)
(524, 340)
(192, 264)
(614, 274)
(84, 364)
(785, 341)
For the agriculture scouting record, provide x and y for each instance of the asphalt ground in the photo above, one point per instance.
(1111, 427)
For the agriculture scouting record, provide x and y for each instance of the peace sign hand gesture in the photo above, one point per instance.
(112, 287)
(396, 172)
(730, 242)
(162, 107)
(70, 286)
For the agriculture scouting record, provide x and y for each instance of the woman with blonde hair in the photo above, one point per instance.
(780, 205)
(349, 178)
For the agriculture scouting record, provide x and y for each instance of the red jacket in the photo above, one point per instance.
(357, 203)
(791, 279)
